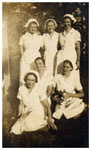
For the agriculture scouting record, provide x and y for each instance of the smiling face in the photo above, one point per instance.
(30, 81)
(32, 27)
(67, 23)
(67, 68)
(40, 65)
(50, 26)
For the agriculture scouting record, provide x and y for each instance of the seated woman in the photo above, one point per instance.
(32, 112)
(69, 92)
(45, 80)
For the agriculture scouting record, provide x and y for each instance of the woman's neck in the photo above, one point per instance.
(41, 72)
(31, 33)
(67, 30)
(30, 89)
(66, 74)
(51, 34)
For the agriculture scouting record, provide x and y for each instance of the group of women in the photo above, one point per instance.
(49, 76)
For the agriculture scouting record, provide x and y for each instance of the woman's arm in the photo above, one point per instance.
(50, 121)
(55, 63)
(21, 50)
(50, 90)
(78, 54)
(20, 108)
(42, 51)
(79, 94)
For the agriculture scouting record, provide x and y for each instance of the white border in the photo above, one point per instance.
(1, 64)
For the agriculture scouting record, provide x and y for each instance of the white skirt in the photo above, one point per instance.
(27, 64)
(31, 121)
(70, 108)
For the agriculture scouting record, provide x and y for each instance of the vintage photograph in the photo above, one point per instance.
(45, 74)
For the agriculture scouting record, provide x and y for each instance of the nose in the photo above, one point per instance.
(38, 65)
(65, 68)
(66, 23)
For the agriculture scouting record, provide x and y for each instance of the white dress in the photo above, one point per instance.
(31, 44)
(68, 51)
(44, 82)
(50, 45)
(70, 107)
(32, 109)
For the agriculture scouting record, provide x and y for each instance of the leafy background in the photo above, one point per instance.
(16, 15)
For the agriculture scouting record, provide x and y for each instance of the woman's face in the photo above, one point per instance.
(32, 28)
(40, 65)
(30, 81)
(67, 23)
(50, 26)
(66, 68)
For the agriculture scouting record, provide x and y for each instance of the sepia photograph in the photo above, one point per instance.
(45, 74)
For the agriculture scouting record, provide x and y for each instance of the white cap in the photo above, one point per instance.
(52, 21)
(29, 21)
(71, 17)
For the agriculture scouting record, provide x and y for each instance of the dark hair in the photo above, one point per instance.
(66, 17)
(68, 62)
(31, 73)
(40, 58)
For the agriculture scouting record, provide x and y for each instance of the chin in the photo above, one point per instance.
(64, 72)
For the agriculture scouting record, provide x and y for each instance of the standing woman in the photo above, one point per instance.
(30, 44)
(50, 41)
(70, 44)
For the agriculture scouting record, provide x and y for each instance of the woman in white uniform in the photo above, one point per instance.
(50, 42)
(45, 79)
(32, 112)
(30, 44)
(69, 100)
(70, 45)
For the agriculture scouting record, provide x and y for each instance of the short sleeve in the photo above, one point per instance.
(21, 41)
(58, 81)
(42, 94)
(50, 80)
(77, 85)
(77, 37)
(19, 95)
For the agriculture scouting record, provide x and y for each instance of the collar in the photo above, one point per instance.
(45, 74)
(47, 34)
(70, 32)
(31, 35)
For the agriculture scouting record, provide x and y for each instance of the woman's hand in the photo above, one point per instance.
(51, 124)
(56, 98)
(80, 94)
(66, 95)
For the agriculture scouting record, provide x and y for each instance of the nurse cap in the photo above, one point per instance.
(52, 21)
(30, 21)
(71, 17)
